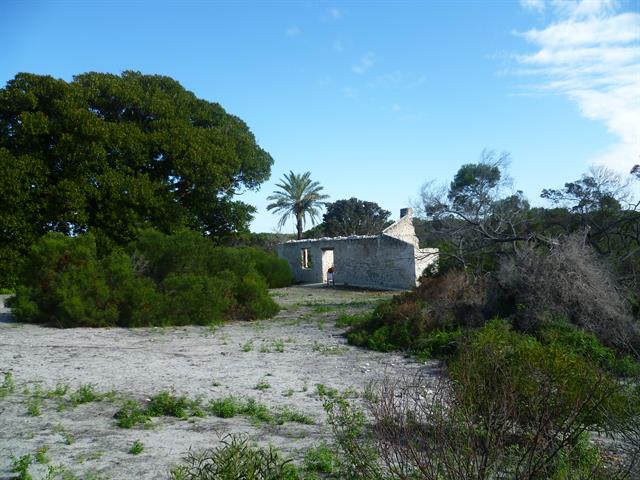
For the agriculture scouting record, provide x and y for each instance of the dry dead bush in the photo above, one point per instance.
(568, 282)
(454, 298)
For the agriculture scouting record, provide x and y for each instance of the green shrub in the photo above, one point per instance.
(168, 405)
(178, 279)
(274, 270)
(20, 465)
(320, 459)
(227, 407)
(137, 448)
(131, 414)
(510, 407)
(586, 344)
(540, 381)
(235, 459)
(438, 344)
(8, 385)
(197, 299)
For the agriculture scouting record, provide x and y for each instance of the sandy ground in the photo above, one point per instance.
(138, 363)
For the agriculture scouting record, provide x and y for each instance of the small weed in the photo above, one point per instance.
(247, 346)
(225, 408)
(262, 385)
(265, 349)
(323, 391)
(41, 455)
(329, 349)
(34, 407)
(257, 411)
(166, 404)
(58, 392)
(235, 458)
(305, 386)
(229, 407)
(69, 439)
(216, 384)
(7, 386)
(136, 448)
(85, 394)
(130, 414)
(278, 346)
(352, 320)
(20, 465)
(319, 459)
(288, 392)
(323, 309)
(290, 415)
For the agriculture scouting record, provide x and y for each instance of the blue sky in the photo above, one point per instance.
(374, 98)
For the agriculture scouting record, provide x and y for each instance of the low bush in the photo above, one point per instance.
(164, 404)
(235, 459)
(427, 320)
(511, 406)
(567, 281)
(178, 279)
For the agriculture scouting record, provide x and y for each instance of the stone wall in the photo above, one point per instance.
(390, 260)
(377, 261)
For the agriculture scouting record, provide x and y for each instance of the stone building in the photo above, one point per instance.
(389, 260)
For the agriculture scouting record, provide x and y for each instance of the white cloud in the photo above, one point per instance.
(535, 5)
(293, 31)
(336, 13)
(591, 54)
(365, 64)
(397, 79)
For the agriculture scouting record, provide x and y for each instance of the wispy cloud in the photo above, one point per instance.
(535, 5)
(336, 13)
(365, 64)
(395, 107)
(591, 54)
(338, 46)
(293, 31)
(396, 79)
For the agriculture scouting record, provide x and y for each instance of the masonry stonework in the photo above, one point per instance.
(390, 260)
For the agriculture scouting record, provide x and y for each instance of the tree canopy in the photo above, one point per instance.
(298, 197)
(115, 154)
(354, 217)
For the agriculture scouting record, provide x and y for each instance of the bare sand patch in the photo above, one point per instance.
(293, 352)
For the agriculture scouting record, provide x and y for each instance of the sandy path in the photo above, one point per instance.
(138, 363)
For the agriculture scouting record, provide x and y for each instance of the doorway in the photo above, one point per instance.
(327, 263)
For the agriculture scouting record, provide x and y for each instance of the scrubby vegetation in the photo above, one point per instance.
(161, 279)
(540, 334)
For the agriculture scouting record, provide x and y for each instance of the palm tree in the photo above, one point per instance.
(298, 196)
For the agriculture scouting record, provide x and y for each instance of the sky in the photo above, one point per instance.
(374, 98)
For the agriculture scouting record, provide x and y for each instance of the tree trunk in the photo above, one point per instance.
(299, 226)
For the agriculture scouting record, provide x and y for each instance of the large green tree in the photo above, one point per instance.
(115, 154)
(354, 217)
(298, 197)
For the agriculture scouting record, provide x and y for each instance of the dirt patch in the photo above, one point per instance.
(292, 353)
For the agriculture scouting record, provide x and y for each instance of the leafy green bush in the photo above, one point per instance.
(510, 406)
(131, 414)
(178, 279)
(426, 320)
(275, 270)
(498, 362)
(235, 459)
(570, 338)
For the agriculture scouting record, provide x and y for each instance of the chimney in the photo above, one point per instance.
(406, 212)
